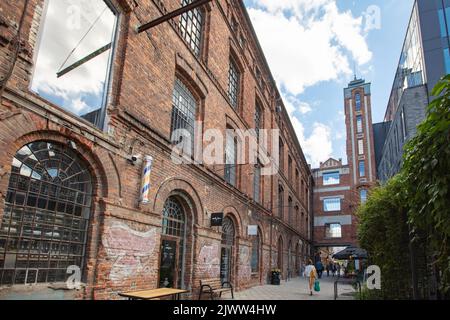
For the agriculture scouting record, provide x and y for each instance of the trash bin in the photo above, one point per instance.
(276, 278)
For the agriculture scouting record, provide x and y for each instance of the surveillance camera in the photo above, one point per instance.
(134, 159)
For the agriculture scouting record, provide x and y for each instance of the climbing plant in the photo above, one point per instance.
(383, 232)
(406, 222)
(427, 181)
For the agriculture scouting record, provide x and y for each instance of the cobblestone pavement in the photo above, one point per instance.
(297, 289)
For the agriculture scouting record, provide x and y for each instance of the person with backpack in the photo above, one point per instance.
(311, 275)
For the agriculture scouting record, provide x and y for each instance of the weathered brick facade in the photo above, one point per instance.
(355, 179)
(124, 235)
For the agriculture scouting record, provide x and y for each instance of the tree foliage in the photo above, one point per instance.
(427, 180)
(383, 232)
(415, 205)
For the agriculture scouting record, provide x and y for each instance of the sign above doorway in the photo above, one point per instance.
(216, 219)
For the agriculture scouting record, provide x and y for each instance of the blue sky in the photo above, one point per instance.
(313, 48)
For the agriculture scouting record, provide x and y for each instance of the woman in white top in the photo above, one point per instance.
(311, 274)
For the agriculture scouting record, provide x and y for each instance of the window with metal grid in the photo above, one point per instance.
(183, 115)
(233, 84)
(173, 219)
(258, 120)
(228, 232)
(290, 210)
(231, 158)
(191, 26)
(281, 156)
(257, 183)
(256, 248)
(44, 225)
(280, 201)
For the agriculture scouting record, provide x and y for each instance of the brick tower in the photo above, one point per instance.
(360, 141)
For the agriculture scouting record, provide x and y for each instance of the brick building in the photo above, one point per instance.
(75, 138)
(339, 188)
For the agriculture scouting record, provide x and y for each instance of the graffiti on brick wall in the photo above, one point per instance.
(245, 270)
(274, 259)
(128, 248)
(209, 261)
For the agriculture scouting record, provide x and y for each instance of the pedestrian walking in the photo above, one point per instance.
(319, 268)
(327, 268)
(338, 269)
(333, 269)
(311, 275)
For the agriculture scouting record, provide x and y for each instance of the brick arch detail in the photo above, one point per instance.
(233, 213)
(179, 185)
(103, 172)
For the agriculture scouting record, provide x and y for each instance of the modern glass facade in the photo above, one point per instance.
(411, 65)
(424, 60)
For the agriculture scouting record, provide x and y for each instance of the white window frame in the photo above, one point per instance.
(332, 203)
(361, 147)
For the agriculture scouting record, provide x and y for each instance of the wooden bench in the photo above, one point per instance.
(215, 286)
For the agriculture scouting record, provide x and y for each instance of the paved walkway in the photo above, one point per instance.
(296, 289)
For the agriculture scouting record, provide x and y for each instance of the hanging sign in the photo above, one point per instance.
(216, 219)
(145, 185)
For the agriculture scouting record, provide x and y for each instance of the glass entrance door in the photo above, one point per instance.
(168, 274)
(225, 265)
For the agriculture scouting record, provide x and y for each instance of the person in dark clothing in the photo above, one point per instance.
(333, 269)
(327, 268)
(319, 267)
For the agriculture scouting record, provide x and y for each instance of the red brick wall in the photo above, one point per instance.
(124, 236)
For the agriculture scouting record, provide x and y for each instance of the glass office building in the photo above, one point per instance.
(424, 59)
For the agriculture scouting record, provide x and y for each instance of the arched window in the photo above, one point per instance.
(191, 26)
(228, 239)
(256, 249)
(47, 209)
(290, 208)
(280, 254)
(280, 201)
(290, 265)
(281, 156)
(358, 102)
(173, 219)
(172, 244)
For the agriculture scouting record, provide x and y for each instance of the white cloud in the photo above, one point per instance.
(318, 146)
(308, 41)
(294, 104)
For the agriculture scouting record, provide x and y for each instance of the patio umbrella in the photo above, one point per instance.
(356, 253)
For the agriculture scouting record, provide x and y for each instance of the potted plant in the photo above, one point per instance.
(276, 277)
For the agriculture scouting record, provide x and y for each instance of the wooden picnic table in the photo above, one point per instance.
(154, 294)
